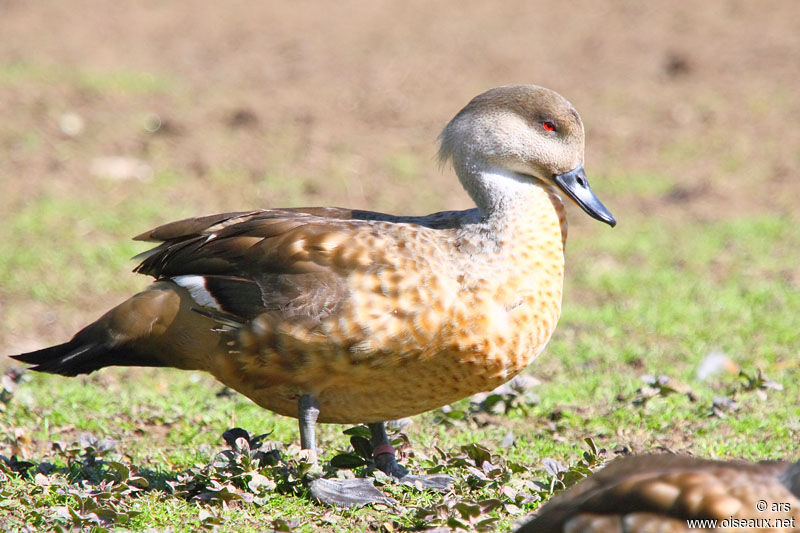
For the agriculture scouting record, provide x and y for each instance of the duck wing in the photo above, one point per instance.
(291, 261)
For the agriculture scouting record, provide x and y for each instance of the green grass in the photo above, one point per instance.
(651, 297)
(47, 248)
(636, 184)
(118, 82)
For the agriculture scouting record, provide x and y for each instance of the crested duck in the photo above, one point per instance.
(348, 316)
(638, 494)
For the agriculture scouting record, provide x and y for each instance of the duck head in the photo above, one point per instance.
(520, 133)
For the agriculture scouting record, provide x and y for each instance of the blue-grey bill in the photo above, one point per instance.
(576, 186)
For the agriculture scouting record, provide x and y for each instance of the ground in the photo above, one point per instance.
(691, 114)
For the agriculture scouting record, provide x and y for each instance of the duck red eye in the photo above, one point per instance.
(548, 126)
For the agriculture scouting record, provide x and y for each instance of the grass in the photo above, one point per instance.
(645, 303)
(644, 306)
(43, 251)
(99, 82)
(650, 298)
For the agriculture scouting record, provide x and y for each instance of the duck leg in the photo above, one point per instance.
(308, 412)
(383, 452)
(341, 492)
(384, 455)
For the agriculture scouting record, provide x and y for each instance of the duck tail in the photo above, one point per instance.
(83, 355)
(153, 328)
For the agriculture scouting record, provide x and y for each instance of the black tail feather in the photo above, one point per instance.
(78, 357)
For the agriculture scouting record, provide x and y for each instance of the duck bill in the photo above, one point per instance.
(576, 186)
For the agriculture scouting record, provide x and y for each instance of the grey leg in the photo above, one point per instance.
(307, 414)
(340, 492)
(384, 459)
(378, 434)
(383, 451)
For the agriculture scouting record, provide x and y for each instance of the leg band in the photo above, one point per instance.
(383, 449)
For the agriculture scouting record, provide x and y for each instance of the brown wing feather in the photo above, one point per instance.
(269, 240)
(258, 261)
(249, 243)
(292, 261)
(188, 227)
(192, 227)
(655, 489)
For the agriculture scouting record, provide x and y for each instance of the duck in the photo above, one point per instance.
(334, 315)
(661, 492)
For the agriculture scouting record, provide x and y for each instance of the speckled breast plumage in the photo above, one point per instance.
(429, 316)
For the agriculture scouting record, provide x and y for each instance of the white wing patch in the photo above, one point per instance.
(196, 285)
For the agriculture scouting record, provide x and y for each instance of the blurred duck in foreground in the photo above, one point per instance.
(676, 494)
(347, 316)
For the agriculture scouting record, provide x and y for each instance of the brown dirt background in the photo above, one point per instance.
(691, 108)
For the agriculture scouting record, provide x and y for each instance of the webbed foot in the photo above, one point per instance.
(384, 455)
(437, 482)
(348, 492)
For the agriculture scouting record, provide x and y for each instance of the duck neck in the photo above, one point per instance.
(516, 210)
